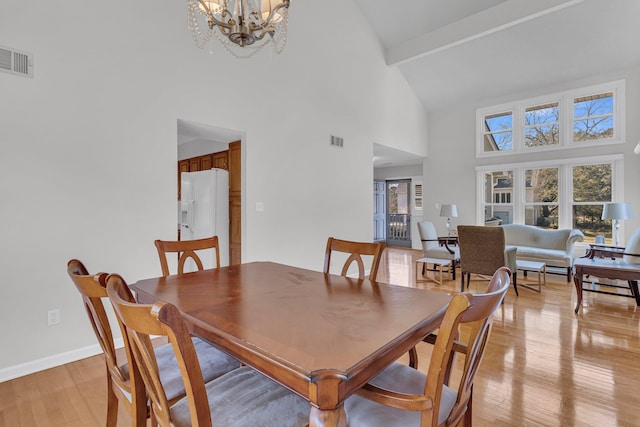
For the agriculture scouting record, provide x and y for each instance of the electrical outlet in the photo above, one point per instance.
(53, 317)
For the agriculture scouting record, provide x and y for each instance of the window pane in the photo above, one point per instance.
(497, 184)
(595, 105)
(586, 218)
(593, 117)
(592, 183)
(498, 215)
(541, 185)
(545, 216)
(541, 125)
(497, 132)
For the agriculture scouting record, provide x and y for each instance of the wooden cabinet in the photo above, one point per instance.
(220, 160)
(229, 160)
(206, 162)
(194, 164)
(235, 206)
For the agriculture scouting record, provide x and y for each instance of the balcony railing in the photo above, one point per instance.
(399, 229)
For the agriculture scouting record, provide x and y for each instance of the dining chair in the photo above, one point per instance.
(241, 397)
(186, 249)
(431, 246)
(403, 396)
(498, 280)
(483, 251)
(124, 385)
(355, 250)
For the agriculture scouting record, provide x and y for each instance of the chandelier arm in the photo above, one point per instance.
(267, 22)
(212, 19)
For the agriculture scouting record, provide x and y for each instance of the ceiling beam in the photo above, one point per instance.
(489, 21)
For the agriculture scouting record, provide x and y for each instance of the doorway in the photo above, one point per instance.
(398, 218)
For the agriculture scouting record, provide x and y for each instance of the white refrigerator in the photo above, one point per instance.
(204, 212)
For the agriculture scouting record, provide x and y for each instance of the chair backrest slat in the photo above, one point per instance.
(161, 319)
(186, 249)
(355, 250)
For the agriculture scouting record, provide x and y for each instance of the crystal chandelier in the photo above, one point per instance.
(243, 27)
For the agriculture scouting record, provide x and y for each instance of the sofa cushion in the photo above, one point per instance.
(552, 257)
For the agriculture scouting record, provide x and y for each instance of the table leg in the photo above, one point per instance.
(577, 280)
(331, 417)
(633, 285)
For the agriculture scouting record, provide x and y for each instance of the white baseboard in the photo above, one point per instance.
(38, 365)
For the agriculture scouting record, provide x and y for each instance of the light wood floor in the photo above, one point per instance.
(545, 366)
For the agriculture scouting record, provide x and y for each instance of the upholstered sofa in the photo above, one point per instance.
(553, 247)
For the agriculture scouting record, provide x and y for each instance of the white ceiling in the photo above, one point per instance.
(462, 51)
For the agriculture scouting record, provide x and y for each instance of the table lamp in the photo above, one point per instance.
(616, 212)
(449, 211)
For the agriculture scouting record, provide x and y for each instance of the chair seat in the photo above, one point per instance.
(399, 378)
(442, 253)
(213, 363)
(268, 404)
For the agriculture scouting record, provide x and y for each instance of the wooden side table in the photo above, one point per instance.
(609, 269)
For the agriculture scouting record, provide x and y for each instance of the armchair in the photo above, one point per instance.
(432, 249)
(483, 251)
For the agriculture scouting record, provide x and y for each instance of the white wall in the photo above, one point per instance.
(89, 146)
(449, 172)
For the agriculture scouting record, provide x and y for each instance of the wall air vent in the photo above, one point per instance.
(336, 141)
(16, 62)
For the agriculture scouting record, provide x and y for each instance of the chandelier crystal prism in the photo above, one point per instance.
(243, 27)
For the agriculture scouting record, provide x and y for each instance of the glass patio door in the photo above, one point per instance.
(399, 213)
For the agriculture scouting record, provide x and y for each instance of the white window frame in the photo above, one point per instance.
(565, 184)
(565, 111)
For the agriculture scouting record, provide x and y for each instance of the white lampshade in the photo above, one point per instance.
(449, 211)
(617, 211)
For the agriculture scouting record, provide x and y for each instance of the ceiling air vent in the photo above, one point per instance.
(16, 62)
(336, 141)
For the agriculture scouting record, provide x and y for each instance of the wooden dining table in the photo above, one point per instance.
(323, 336)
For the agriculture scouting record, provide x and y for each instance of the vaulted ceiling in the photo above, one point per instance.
(463, 51)
(460, 51)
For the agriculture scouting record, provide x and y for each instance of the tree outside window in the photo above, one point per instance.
(541, 197)
(593, 117)
(591, 189)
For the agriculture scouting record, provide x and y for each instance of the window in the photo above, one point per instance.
(551, 194)
(498, 188)
(541, 197)
(593, 117)
(417, 194)
(591, 189)
(578, 118)
(541, 125)
(498, 132)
